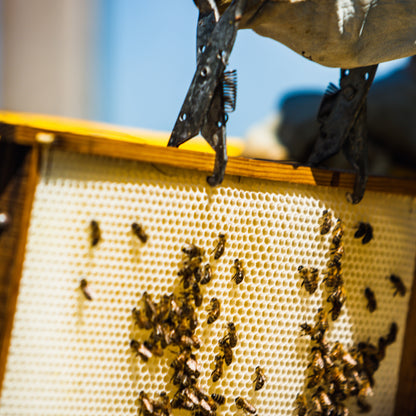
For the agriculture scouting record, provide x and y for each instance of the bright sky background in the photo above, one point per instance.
(148, 61)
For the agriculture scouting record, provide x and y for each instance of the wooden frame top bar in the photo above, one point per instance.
(146, 146)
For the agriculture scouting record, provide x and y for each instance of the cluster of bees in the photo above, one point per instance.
(335, 372)
(334, 281)
(172, 323)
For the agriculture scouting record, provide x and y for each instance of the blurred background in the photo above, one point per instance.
(130, 62)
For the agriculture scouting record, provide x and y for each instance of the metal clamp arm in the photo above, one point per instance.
(203, 108)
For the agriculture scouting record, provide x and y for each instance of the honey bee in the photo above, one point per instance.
(83, 285)
(301, 405)
(337, 254)
(141, 350)
(382, 344)
(260, 379)
(371, 298)
(217, 373)
(180, 378)
(157, 333)
(370, 360)
(391, 336)
(337, 299)
(218, 398)
(219, 248)
(190, 271)
(180, 360)
(146, 404)
(337, 376)
(207, 408)
(139, 232)
(163, 309)
(206, 277)
(341, 409)
(361, 229)
(197, 274)
(192, 368)
(333, 277)
(307, 329)
(315, 407)
(175, 310)
(204, 397)
(154, 348)
(337, 234)
(190, 341)
(325, 222)
(197, 294)
(162, 406)
(324, 347)
(231, 336)
(317, 332)
(317, 366)
(191, 396)
(214, 311)
(176, 402)
(149, 307)
(364, 392)
(322, 325)
(310, 278)
(323, 399)
(186, 305)
(245, 405)
(398, 285)
(169, 336)
(339, 353)
(95, 233)
(239, 272)
(364, 406)
(181, 401)
(314, 380)
(328, 363)
(227, 351)
(367, 348)
(192, 263)
(336, 310)
(365, 230)
(354, 381)
(193, 320)
(187, 277)
(193, 251)
(140, 320)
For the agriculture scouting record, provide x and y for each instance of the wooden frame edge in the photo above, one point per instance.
(405, 403)
(32, 180)
(97, 143)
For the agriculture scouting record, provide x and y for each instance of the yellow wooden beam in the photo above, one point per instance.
(110, 132)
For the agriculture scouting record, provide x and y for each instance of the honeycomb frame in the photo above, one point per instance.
(71, 356)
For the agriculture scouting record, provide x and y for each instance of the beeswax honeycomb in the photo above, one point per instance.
(71, 356)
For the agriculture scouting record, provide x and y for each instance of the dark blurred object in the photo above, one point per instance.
(391, 126)
(12, 157)
(4, 221)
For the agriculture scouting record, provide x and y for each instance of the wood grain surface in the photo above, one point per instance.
(90, 138)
